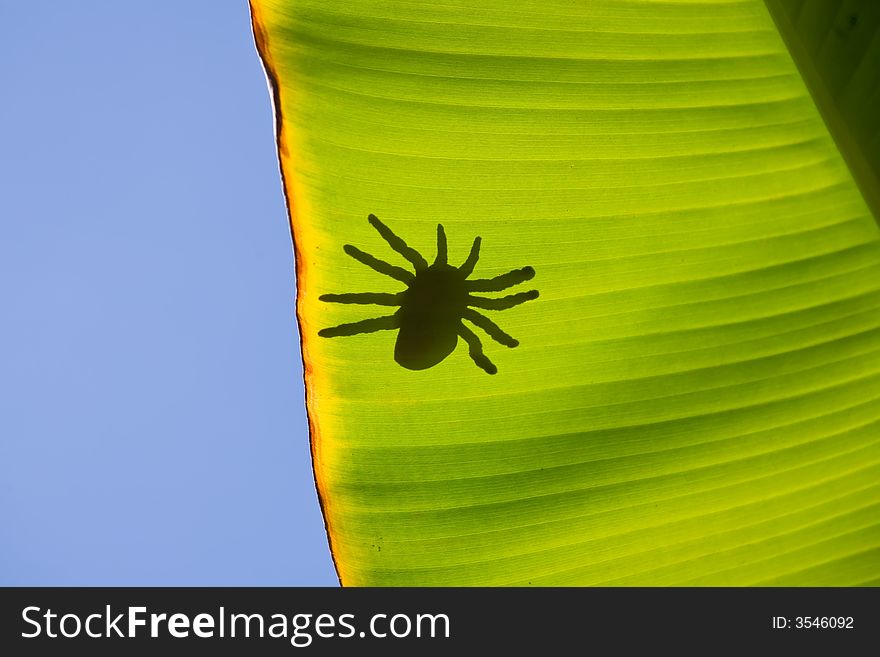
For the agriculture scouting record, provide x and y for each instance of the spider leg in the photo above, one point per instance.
(398, 244)
(468, 267)
(364, 326)
(501, 282)
(502, 303)
(377, 298)
(491, 328)
(398, 273)
(441, 246)
(475, 349)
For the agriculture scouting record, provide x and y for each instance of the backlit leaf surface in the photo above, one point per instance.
(696, 394)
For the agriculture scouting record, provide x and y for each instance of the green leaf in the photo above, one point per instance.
(696, 392)
(836, 45)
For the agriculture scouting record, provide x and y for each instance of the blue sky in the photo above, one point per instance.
(152, 428)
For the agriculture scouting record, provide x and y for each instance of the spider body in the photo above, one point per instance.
(437, 298)
(430, 314)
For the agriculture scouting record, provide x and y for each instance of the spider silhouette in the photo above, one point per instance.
(436, 300)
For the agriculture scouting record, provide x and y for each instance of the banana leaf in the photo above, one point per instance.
(587, 293)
